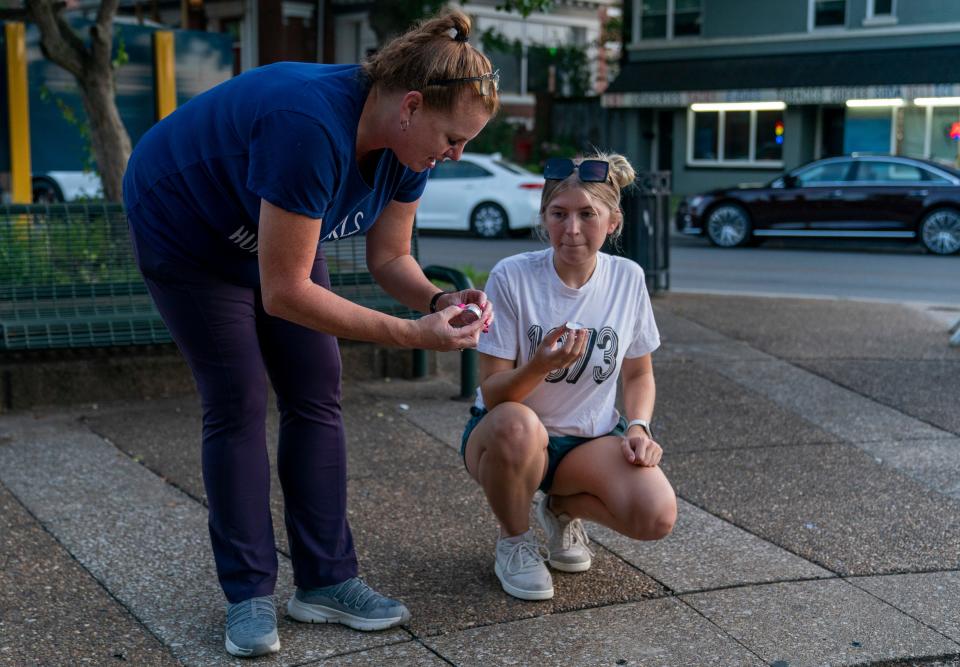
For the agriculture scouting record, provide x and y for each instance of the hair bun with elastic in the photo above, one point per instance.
(456, 35)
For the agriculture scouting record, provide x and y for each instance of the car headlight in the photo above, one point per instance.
(696, 201)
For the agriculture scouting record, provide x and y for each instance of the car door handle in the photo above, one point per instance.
(918, 193)
(837, 193)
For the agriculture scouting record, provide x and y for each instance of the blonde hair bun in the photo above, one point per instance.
(621, 171)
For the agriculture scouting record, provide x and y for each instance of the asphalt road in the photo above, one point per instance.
(865, 271)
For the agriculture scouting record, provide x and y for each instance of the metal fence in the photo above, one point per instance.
(68, 279)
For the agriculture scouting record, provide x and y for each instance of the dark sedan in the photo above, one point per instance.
(847, 197)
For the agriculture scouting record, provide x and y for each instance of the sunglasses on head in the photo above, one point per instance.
(489, 82)
(589, 171)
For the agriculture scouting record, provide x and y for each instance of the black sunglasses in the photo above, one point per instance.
(589, 171)
(489, 82)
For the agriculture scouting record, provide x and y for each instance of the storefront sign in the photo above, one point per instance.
(792, 96)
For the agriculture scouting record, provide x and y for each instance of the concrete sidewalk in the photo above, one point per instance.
(815, 446)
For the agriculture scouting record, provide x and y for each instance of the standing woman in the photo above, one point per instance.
(573, 321)
(230, 200)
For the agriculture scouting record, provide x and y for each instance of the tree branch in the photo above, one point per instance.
(101, 33)
(60, 43)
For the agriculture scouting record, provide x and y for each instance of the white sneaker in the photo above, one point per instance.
(520, 567)
(566, 538)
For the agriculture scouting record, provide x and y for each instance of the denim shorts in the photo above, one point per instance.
(558, 446)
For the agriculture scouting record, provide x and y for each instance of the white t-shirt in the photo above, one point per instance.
(531, 300)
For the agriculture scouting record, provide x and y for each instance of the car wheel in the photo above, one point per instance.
(46, 191)
(940, 231)
(728, 226)
(489, 221)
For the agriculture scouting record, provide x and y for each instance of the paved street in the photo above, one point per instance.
(888, 272)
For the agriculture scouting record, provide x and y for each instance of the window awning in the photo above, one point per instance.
(804, 78)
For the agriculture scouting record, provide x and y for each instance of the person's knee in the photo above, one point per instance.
(652, 521)
(240, 406)
(322, 406)
(518, 437)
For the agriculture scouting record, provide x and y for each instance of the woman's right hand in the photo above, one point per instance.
(550, 356)
(436, 333)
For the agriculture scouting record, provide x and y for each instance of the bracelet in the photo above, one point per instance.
(433, 301)
(643, 423)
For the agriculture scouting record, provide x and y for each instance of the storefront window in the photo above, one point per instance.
(942, 146)
(736, 137)
(867, 130)
(769, 135)
(914, 130)
(705, 135)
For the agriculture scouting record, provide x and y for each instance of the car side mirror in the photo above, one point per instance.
(789, 181)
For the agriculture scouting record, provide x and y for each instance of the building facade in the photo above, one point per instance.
(728, 91)
(339, 31)
(519, 47)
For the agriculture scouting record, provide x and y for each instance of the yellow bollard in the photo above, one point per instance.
(164, 73)
(19, 113)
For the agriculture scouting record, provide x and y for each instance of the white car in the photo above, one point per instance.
(57, 186)
(482, 193)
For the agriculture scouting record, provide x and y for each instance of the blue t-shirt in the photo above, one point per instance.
(285, 133)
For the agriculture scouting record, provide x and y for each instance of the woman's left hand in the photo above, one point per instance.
(469, 296)
(641, 450)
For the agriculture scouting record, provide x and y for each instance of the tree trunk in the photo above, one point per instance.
(111, 143)
(93, 70)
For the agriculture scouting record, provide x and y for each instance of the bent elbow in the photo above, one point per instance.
(273, 302)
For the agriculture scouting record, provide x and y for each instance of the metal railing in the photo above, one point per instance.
(68, 279)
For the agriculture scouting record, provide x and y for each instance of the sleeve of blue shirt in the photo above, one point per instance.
(293, 163)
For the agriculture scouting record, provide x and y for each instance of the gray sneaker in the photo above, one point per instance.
(351, 603)
(566, 538)
(520, 568)
(252, 628)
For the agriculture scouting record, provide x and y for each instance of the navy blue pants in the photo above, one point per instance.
(232, 345)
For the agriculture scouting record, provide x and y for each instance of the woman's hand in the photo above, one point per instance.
(551, 356)
(435, 332)
(468, 296)
(641, 450)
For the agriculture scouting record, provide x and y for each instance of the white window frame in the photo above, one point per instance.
(812, 15)
(750, 162)
(671, 16)
(873, 19)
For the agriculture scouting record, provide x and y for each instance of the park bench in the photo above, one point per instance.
(68, 281)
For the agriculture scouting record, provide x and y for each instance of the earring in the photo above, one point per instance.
(404, 124)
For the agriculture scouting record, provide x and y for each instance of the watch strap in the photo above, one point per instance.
(433, 301)
(643, 423)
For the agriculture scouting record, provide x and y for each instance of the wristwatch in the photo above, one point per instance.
(433, 301)
(643, 423)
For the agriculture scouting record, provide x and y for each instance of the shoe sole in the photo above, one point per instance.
(317, 613)
(571, 567)
(520, 592)
(235, 650)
